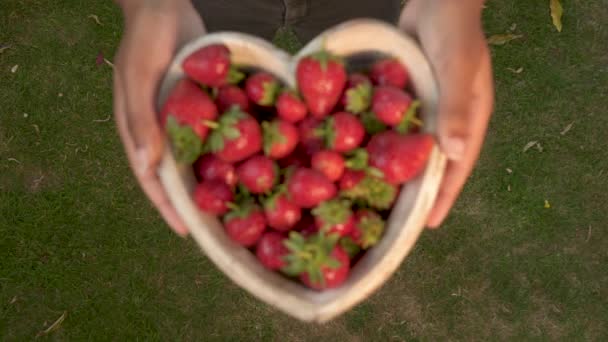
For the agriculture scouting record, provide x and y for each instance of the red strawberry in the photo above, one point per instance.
(209, 167)
(307, 188)
(342, 131)
(258, 174)
(358, 94)
(368, 228)
(366, 187)
(262, 88)
(183, 115)
(316, 259)
(389, 72)
(334, 216)
(321, 78)
(330, 163)
(280, 138)
(399, 157)
(280, 213)
(290, 107)
(210, 65)
(310, 133)
(213, 197)
(271, 251)
(390, 104)
(245, 224)
(231, 95)
(332, 274)
(236, 136)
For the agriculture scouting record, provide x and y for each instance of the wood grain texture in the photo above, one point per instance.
(406, 222)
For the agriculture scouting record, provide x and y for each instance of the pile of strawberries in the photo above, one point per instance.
(304, 178)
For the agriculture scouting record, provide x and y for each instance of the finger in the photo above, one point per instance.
(457, 172)
(147, 179)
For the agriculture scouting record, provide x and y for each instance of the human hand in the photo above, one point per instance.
(154, 29)
(451, 36)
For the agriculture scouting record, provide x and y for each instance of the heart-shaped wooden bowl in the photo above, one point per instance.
(359, 41)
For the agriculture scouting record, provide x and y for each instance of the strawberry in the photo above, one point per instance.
(391, 105)
(245, 224)
(317, 259)
(307, 188)
(334, 216)
(290, 107)
(270, 250)
(213, 197)
(365, 187)
(310, 138)
(321, 78)
(210, 66)
(342, 132)
(280, 138)
(368, 228)
(262, 88)
(389, 72)
(281, 214)
(211, 168)
(231, 95)
(236, 136)
(330, 163)
(358, 93)
(399, 157)
(183, 114)
(258, 174)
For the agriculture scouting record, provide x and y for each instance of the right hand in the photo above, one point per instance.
(154, 29)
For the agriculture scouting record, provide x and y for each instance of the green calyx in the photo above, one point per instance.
(327, 132)
(271, 135)
(224, 129)
(324, 57)
(270, 200)
(271, 91)
(240, 210)
(359, 98)
(372, 191)
(358, 159)
(349, 246)
(235, 76)
(187, 145)
(309, 255)
(409, 118)
(333, 212)
(371, 123)
(371, 226)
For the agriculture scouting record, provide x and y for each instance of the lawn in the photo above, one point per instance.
(78, 236)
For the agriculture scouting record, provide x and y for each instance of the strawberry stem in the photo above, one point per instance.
(409, 117)
(210, 124)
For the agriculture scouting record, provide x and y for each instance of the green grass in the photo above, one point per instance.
(78, 235)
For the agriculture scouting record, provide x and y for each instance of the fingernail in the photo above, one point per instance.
(453, 147)
(142, 160)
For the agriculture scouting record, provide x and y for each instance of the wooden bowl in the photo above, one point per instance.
(406, 222)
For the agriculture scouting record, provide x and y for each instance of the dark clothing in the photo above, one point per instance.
(307, 18)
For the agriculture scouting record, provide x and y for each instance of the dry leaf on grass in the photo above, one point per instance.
(509, 171)
(538, 147)
(516, 71)
(53, 326)
(513, 27)
(569, 127)
(4, 47)
(508, 188)
(14, 68)
(547, 204)
(96, 18)
(556, 13)
(14, 160)
(502, 39)
(530, 145)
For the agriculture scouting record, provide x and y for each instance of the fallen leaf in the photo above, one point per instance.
(547, 204)
(53, 326)
(25, 115)
(13, 300)
(513, 27)
(4, 47)
(530, 145)
(14, 160)
(538, 147)
(96, 18)
(14, 68)
(508, 188)
(509, 171)
(502, 39)
(556, 13)
(569, 127)
(60, 95)
(516, 71)
(99, 59)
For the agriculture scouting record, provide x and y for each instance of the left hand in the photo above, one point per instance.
(452, 38)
